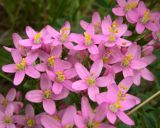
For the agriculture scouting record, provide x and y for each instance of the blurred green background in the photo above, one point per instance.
(15, 15)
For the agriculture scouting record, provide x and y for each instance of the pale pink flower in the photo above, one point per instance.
(89, 118)
(35, 39)
(29, 120)
(96, 22)
(90, 80)
(21, 67)
(45, 95)
(113, 32)
(117, 101)
(61, 77)
(62, 37)
(66, 121)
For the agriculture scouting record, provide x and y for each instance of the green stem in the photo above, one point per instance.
(144, 102)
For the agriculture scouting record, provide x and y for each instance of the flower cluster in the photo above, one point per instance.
(85, 64)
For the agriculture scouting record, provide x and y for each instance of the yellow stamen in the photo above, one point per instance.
(51, 61)
(37, 38)
(7, 120)
(88, 39)
(146, 17)
(30, 122)
(21, 65)
(68, 126)
(112, 38)
(4, 102)
(56, 117)
(127, 59)
(90, 81)
(114, 107)
(60, 76)
(131, 6)
(97, 28)
(123, 87)
(47, 94)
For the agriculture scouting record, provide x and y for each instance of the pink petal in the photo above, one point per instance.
(51, 75)
(31, 58)
(136, 64)
(77, 38)
(29, 111)
(16, 38)
(147, 75)
(128, 104)
(93, 49)
(26, 42)
(149, 59)
(19, 119)
(96, 18)
(35, 96)
(18, 78)
(10, 68)
(42, 67)
(68, 85)
(141, 8)
(30, 32)
(119, 11)
(62, 95)
(49, 106)
(140, 28)
(36, 46)
(11, 95)
(92, 92)
(81, 71)
(79, 122)
(121, 30)
(57, 88)
(101, 82)
(127, 72)
(137, 78)
(122, 3)
(70, 73)
(152, 26)
(96, 68)
(123, 42)
(67, 25)
(66, 64)
(45, 82)
(111, 117)
(124, 118)
(68, 116)
(105, 27)
(101, 98)
(9, 110)
(90, 29)
(84, 24)
(57, 51)
(32, 72)
(16, 56)
(52, 31)
(79, 85)
(132, 14)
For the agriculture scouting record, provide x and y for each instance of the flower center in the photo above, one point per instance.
(88, 39)
(130, 6)
(60, 76)
(30, 122)
(93, 124)
(37, 38)
(145, 17)
(51, 61)
(47, 94)
(68, 126)
(127, 59)
(112, 38)
(113, 28)
(97, 28)
(106, 57)
(7, 120)
(56, 117)
(114, 107)
(64, 34)
(21, 65)
(90, 81)
(4, 102)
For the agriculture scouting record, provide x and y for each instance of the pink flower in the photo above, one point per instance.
(91, 118)
(62, 37)
(45, 95)
(30, 120)
(113, 32)
(124, 7)
(7, 117)
(9, 99)
(130, 61)
(143, 18)
(48, 60)
(35, 39)
(21, 67)
(90, 80)
(61, 76)
(67, 120)
(88, 41)
(96, 22)
(117, 101)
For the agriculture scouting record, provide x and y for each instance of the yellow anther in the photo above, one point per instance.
(56, 117)
(127, 59)
(21, 65)
(60, 76)
(123, 87)
(88, 39)
(130, 6)
(37, 38)
(4, 102)
(146, 17)
(68, 126)
(105, 59)
(64, 29)
(7, 120)
(64, 34)
(90, 81)
(112, 37)
(51, 61)
(114, 24)
(30, 122)
(47, 94)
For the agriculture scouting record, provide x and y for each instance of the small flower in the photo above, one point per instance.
(21, 67)
(90, 80)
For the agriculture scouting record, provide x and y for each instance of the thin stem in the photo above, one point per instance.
(144, 102)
